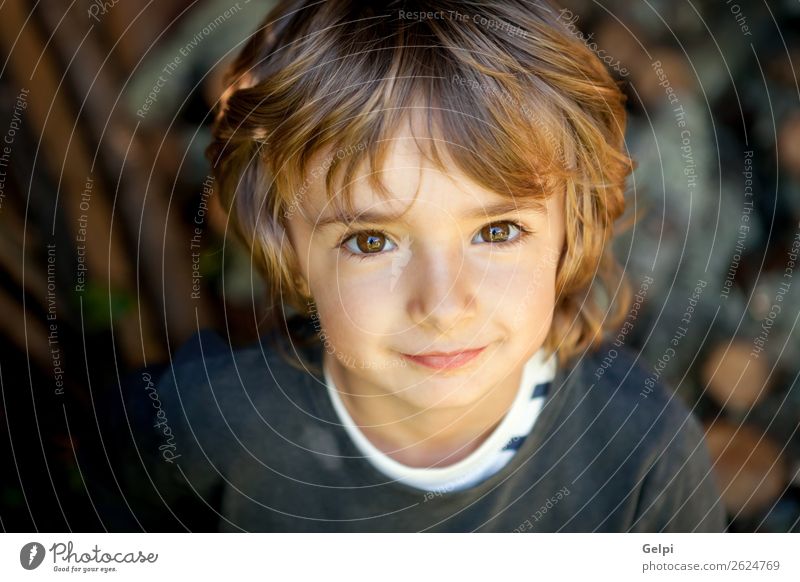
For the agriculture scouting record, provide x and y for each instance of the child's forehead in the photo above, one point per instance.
(388, 214)
(405, 177)
(410, 185)
(411, 160)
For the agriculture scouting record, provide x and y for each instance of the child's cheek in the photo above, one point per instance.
(369, 306)
(361, 306)
(532, 298)
(519, 282)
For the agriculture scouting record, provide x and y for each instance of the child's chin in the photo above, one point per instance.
(440, 395)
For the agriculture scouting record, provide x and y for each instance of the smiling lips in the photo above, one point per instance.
(445, 361)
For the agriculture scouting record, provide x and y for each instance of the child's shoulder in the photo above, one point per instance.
(638, 422)
(207, 357)
(622, 370)
(208, 376)
(630, 394)
(213, 405)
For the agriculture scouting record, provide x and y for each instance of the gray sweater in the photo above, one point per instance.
(239, 440)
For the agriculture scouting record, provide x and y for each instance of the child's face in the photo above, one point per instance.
(430, 281)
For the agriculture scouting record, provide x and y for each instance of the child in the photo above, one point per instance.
(430, 189)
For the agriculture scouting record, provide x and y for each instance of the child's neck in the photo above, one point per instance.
(424, 437)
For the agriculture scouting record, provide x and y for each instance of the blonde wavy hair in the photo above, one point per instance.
(511, 96)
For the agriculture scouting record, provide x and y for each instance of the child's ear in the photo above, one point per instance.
(302, 287)
(292, 273)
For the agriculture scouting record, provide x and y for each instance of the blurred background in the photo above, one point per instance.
(109, 221)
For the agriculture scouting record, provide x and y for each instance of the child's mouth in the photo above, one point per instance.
(446, 361)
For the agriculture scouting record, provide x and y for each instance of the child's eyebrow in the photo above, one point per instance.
(489, 211)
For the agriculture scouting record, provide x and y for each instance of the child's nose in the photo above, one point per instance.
(442, 288)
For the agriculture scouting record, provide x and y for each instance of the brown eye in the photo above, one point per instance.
(367, 243)
(501, 233)
(496, 232)
(370, 243)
